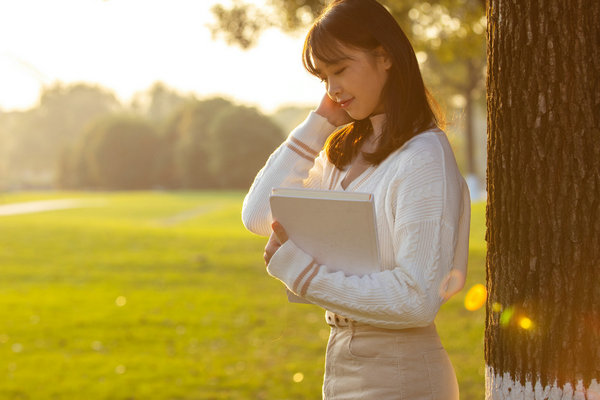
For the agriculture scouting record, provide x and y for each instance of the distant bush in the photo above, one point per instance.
(202, 145)
(117, 152)
(187, 133)
(239, 141)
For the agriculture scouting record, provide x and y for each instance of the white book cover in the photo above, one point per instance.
(336, 228)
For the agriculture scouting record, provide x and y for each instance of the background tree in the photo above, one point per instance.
(158, 102)
(188, 131)
(240, 139)
(289, 117)
(35, 138)
(73, 170)
(448, 36)
(543, 212)
(121, 152)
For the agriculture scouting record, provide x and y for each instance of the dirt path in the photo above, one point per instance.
(44, 205)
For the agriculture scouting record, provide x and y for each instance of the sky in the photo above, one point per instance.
(127, 45)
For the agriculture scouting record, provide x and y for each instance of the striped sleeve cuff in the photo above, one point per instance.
(301, 148)
(293, 267)
(308, 138)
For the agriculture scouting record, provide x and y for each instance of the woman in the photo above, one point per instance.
(383, 342)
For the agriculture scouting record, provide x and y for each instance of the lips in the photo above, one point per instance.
(345, 103)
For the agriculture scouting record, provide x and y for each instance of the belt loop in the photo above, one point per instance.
(337, 320)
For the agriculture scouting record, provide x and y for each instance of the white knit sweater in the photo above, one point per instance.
(423, 212)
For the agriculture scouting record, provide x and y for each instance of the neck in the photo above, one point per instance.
(377, 121)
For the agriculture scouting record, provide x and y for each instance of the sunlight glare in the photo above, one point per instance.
(181, 54)
(525, 323)
(506, 316)
(121, 301)
(496, 307)
(475, 297)
(421, 56)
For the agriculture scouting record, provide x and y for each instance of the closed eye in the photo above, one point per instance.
(339, 71)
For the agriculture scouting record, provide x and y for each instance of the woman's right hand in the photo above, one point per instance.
(333, 112)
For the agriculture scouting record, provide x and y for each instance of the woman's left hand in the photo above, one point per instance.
(278, 237)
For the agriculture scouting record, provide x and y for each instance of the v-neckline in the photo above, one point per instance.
(376, 122)
(357, 180)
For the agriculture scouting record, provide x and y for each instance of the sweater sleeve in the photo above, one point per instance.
(297, 162)
(405, 294)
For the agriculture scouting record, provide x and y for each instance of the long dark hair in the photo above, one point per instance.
(409, 107)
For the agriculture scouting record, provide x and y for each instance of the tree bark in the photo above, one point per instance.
(543, 209)
(473, 77)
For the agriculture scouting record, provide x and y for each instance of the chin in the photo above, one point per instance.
(357, 116)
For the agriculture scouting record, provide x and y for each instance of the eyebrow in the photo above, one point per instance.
(334, 61)
(337, 60)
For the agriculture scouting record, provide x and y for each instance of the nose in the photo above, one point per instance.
(333, 90)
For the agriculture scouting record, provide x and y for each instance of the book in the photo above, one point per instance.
(337, 228)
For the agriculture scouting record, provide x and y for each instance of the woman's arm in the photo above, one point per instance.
(424, 238)
(404, 297)
(298, 162)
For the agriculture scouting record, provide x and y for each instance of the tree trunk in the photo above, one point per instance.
(542, 338)
(470, 118)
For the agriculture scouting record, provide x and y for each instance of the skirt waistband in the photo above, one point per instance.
(339, 321)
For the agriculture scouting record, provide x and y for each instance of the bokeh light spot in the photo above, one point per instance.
(97, 345)
(496, 307)
(120, 369)
(298, 377)
(525, 323)
(506, 316)
(475, 297)
(121, 301)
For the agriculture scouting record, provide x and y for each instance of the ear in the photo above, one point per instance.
(383, 57)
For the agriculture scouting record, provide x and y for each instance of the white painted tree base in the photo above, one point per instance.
(504, 388)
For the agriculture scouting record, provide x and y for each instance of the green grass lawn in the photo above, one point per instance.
(158, 295)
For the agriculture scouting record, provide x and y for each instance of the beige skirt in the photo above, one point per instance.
(369, 363)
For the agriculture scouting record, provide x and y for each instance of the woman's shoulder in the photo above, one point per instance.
(428, 146)
(430, 139)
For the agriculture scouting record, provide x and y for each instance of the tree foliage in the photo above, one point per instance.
(165, 140)
(34, 139)
(158, 102)
(448, 37)
(239, 141)
(121, 152)
(187, 133)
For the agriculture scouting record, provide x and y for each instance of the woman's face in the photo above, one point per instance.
(356, 80)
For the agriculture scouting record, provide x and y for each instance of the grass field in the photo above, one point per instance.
(157, 295)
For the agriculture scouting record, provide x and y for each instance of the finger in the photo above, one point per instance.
(280, 232)
(270, 249)
(268, 254)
